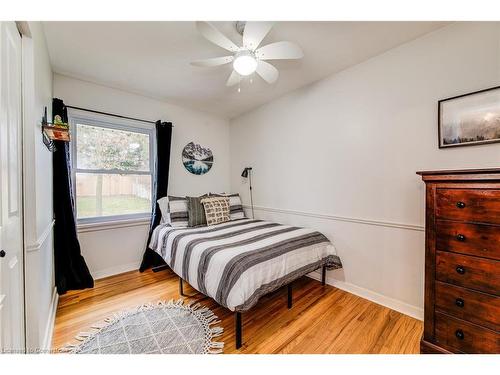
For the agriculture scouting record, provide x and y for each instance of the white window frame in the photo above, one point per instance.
(109, 122)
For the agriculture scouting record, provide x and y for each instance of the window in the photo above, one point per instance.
(112, 168)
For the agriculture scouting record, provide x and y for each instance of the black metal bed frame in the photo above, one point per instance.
(237, 314)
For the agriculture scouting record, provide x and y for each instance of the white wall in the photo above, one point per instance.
(111, 251)
(40, 292)
(340, 155)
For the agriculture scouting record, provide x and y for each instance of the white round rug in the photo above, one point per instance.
(165, 327)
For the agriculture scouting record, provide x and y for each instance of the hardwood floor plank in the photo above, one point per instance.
(323, 319)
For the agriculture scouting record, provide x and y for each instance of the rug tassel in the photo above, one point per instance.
(211, 319)
(215, 351)
(216, 345)
(206, 313)
(195, 306)
(217, 331)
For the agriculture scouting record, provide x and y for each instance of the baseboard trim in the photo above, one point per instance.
(392, 303)
(49, 328)
(379, 223)
(37, 245)
(111, 271)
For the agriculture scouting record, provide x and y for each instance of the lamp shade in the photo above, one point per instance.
(244, 174)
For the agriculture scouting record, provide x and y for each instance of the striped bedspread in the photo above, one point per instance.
(237, 262)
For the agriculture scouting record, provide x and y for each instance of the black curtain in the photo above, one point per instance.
(71, 272)
(163, 141)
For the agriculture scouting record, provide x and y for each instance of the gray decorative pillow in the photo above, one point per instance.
(196, 211)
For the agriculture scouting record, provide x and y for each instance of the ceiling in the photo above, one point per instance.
(152, 58)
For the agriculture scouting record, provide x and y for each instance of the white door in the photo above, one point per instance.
(12, 335)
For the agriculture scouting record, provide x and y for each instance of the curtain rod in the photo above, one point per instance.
(111, 114)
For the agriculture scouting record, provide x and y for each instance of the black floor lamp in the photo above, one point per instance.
(247, 173)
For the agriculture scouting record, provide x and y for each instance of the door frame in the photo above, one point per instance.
(28, 154)
(21, 207)
(27, 86)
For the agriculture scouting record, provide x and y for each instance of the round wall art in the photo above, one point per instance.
(196, 159)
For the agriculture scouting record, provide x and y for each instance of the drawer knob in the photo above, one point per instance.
(460, 270)
(460, 237)
(460, 205)
(459, 302)
(459, 334)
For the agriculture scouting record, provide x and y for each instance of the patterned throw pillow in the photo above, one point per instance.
(196, 211)
(235, 204)
(178, 211)
(216, 210)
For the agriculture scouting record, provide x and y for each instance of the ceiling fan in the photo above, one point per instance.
(248, 58)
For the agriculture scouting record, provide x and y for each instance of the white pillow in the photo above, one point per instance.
(236, 207)
(237, 211)
(178, 211)
(165, 213)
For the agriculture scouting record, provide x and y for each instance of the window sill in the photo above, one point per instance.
(114, 224)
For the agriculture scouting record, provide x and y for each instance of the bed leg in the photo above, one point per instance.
(181, 287)
(290, 301)
(237, 321)
(323, 275)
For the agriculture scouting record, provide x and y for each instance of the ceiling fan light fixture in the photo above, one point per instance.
(248, 57)
(245, 63)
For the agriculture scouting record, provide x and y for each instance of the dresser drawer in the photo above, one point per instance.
(481, 205)
(465, 337)
(468, 271)
(472, 239)
(466, 304)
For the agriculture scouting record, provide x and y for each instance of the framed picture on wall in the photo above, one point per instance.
(470, 119)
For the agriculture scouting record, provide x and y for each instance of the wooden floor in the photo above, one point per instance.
(323, 319)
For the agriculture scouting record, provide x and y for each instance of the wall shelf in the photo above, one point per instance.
(53, 132)
(56, 132)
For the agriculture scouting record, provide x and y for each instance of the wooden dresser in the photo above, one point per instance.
(462, 262)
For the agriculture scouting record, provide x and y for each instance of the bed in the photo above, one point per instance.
(239, 261)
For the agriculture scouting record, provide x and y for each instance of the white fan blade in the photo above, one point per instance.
(234, 78)
(213, 62)
(215, 36)
(280, 50)
(254, 33)
(268, 72)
